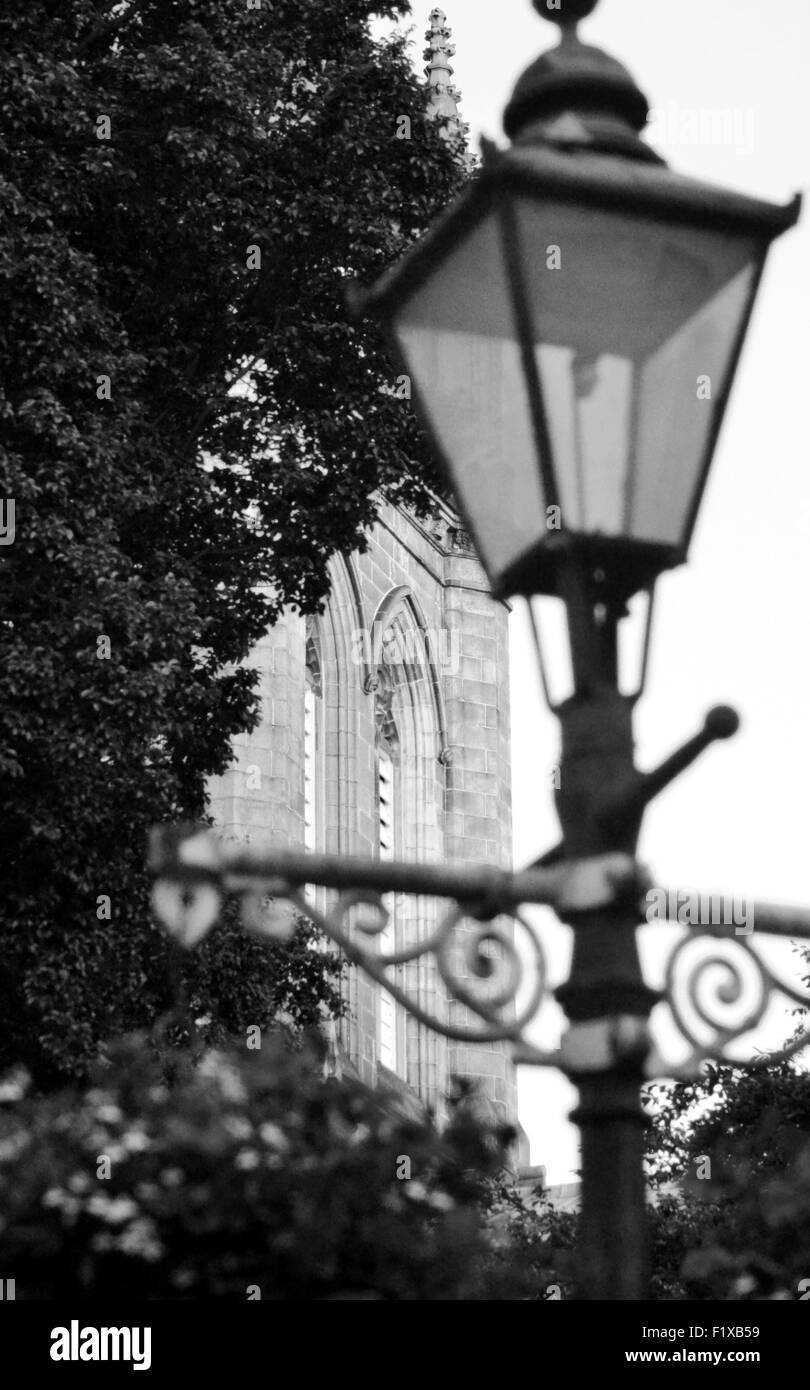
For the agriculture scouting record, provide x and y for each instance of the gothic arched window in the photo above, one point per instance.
(410, 782)
(313, 744)
(389, 835)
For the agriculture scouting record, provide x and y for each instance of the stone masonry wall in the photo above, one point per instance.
(453, 716)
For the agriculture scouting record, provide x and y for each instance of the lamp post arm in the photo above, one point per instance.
(626, 803)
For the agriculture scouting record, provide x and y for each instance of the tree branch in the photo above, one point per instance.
(112, 25)
(208, 409)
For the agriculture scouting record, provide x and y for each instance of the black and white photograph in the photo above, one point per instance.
(404, 671)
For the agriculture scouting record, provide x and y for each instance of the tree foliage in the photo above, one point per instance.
(729, 1210)
(241, 1175)
(533, 1244)
(190, 424)
(730, 1157)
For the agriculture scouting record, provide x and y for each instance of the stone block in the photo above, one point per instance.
(482, 646)
(479, 692)
(475, 781)
(470, 758)
(471, 803)
(465, 849)
(477, 827)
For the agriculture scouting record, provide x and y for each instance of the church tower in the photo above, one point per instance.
(385, 732)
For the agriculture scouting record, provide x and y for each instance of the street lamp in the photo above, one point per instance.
(572, 326)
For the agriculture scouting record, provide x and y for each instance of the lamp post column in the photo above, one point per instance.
(608, 1019)
(605, 998)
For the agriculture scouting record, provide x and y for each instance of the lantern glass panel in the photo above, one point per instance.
(458, 336)
(675, 413)
(635, 324)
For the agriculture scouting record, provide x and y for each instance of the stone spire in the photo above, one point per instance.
(443, 95)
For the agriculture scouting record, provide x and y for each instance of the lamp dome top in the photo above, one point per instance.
(581, 80)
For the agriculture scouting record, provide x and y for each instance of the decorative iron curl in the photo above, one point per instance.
(731, 957)
(446, 945)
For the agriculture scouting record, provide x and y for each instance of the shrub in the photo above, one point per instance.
(239, 1175)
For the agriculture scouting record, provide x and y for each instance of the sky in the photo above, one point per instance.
(733, 626)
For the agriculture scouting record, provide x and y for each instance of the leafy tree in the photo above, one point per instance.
(729, 1216)
(729, 1156)
(190, 424)
(533, 1244)
(731, 1164)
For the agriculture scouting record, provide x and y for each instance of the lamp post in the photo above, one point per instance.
(572, 327)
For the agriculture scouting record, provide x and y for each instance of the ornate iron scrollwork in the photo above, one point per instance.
(486, 981)
(724, 991)
(718, 988)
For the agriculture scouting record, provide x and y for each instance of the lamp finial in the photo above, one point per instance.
(565, 13)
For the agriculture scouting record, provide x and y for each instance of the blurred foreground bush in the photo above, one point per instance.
(241, 1175)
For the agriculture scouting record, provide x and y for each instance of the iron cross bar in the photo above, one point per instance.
(193, 854)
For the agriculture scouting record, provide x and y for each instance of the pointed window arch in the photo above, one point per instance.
(409, 739)
(314, 751)
(390, 1022)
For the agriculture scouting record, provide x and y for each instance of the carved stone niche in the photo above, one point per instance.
(439, 532)
(460, 541)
